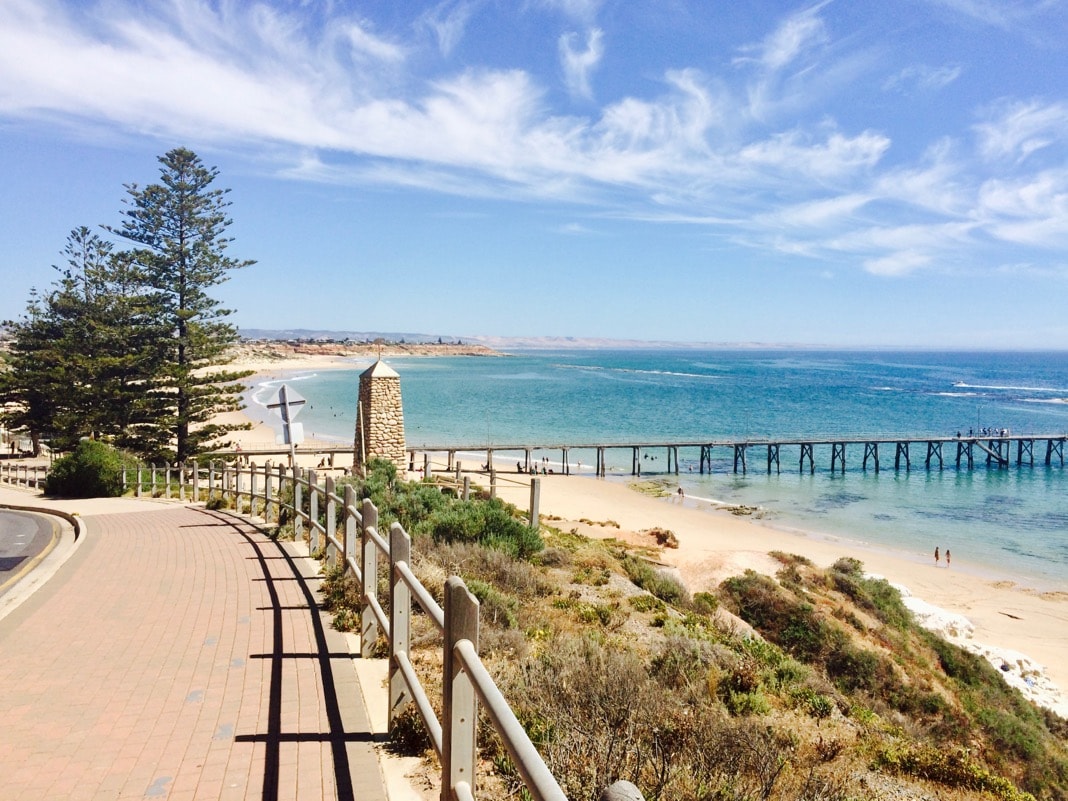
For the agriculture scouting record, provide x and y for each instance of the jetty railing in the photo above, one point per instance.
(344, 531)
(996, 449)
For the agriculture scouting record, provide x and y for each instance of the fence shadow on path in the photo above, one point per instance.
(332, 661)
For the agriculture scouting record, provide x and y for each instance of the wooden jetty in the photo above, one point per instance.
(965, 451)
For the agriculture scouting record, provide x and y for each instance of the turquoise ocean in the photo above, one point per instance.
(1010, 522)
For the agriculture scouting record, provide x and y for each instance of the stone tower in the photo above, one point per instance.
(379, 418)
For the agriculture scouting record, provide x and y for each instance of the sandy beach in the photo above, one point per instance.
(1023, 631)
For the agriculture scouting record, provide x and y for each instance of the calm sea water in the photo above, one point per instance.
(1011, 522)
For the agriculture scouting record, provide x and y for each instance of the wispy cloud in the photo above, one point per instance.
(583, 11)
(785, 57)
(895, 264)
(448, 21)
(796, 35)
(1000, 13)
(1015, 130)
(924, 78)
(579, 62)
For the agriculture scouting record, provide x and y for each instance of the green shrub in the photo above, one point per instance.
(954, 767)
(874, 595)
(496, 607)
(705, 603)
(489, 523)
(666, 588)
(848, 566)
(852, 668)
(740, 703)
(646, 603)
(971, 670)
(93, 470)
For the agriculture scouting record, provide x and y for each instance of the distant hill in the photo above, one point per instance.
(284, 334)
(506, 343)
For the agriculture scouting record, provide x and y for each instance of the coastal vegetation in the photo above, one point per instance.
(813, 684)
(92, 470)
(128, 346)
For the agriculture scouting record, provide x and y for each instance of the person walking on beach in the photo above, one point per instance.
(936, 556)
(948, 557)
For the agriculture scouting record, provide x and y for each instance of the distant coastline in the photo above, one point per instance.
(280, 351)
(501, 344)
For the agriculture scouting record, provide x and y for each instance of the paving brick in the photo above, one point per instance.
(166, 660)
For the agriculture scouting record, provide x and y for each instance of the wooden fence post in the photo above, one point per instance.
(313, 511)
(267, 477)
(278, 496)
(351, 521)
(369, 574)
(535, 500)
(298, 505)
(331, 521)
(459, 710)
(181, 481)
(400, 607)
(252, 489)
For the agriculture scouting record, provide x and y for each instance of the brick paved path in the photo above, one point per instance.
(174, 657)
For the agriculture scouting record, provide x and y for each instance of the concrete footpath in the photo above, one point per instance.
(176, 653)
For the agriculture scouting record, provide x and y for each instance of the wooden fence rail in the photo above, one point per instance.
(19, 474)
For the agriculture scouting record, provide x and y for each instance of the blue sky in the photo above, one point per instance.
(840, 173)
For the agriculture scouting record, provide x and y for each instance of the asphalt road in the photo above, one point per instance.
(22, 537)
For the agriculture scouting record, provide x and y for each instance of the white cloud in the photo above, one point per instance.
(448, 21)
(935, 185)
(584, 11)
(365, 43)
(1031, 210)
(822, 213)
(1016, 130)
(897, 264)
(575, 229)
(923, 78)
(797, 34)
(1005, 14)
(835, 155)
(792, 69)
(577, 62)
